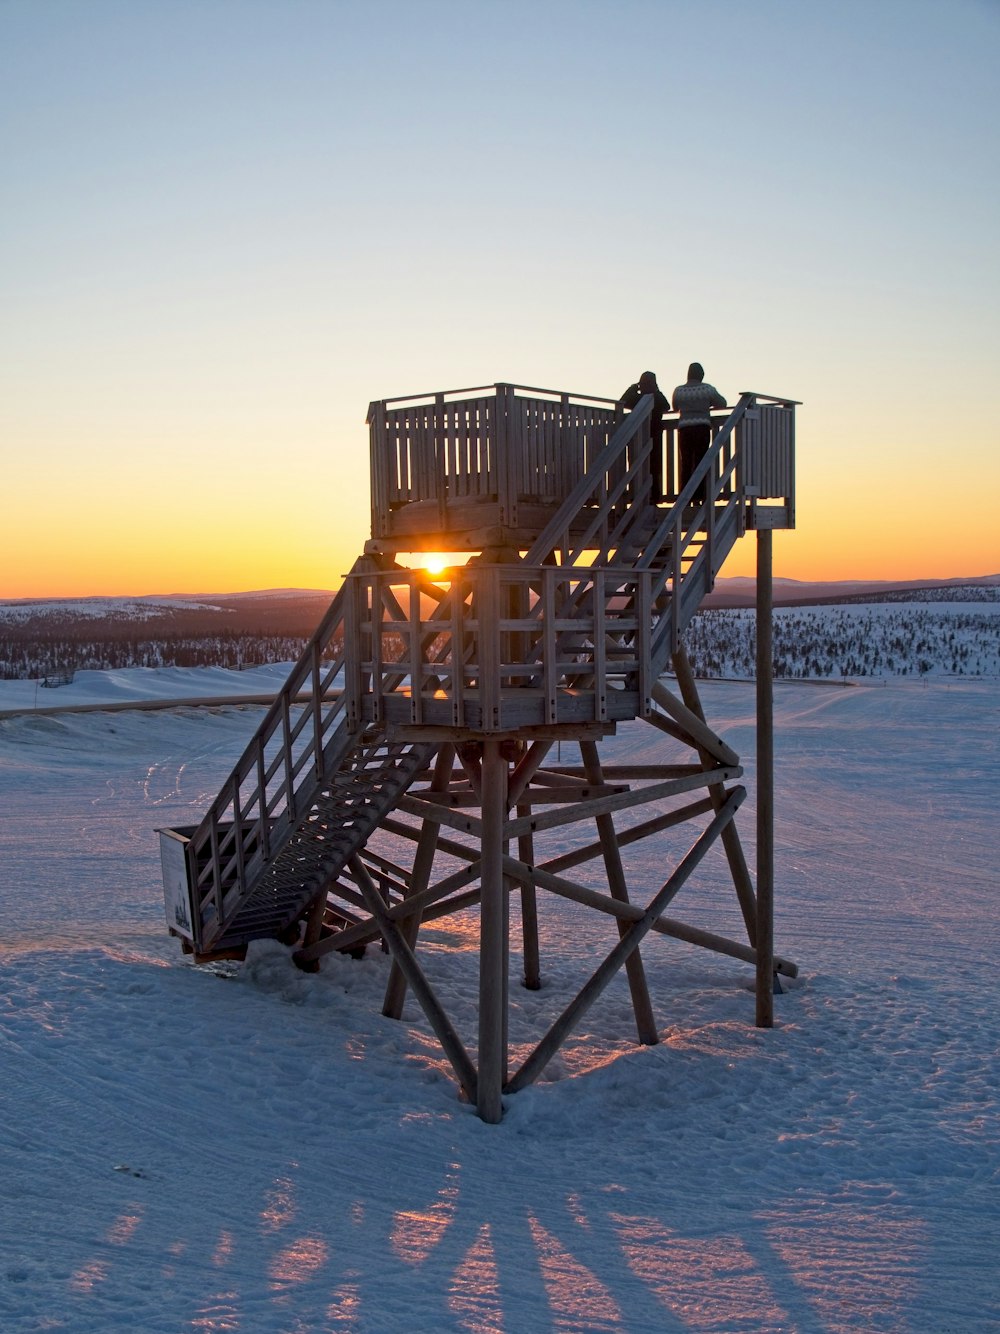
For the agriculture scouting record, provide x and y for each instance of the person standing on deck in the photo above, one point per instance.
(646, 384)
(695, 400)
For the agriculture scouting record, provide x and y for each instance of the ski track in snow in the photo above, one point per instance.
(255, 1149)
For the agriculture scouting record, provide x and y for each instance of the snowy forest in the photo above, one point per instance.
(48, 641)
(883, 639)
(933, 632)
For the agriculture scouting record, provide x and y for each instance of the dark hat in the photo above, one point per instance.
(696, 371)
(647, 382)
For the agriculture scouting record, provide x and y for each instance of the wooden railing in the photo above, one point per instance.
(505, 443)
(767, 462)
(491, 647)
(273, 780)
(684, 546)
(511, 444)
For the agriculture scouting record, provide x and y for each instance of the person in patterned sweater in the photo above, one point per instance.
(695, 400)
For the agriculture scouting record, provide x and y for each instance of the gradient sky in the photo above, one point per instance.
(227, 225)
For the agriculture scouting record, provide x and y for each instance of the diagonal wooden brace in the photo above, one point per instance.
(421, 988)
(536, 1062)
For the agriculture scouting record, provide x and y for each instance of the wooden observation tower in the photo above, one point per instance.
(410, 768)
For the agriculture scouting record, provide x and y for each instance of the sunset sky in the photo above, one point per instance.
(227, 225)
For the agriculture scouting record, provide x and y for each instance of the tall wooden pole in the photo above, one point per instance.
(765, 781)
(492, 938)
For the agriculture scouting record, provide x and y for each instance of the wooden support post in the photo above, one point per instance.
(518, 781)
(314, 928)
(423, 861)
(493, 937)
(538, 1059)
(645, 1020)
(450, 1042)
(765, 782)
(529, 912)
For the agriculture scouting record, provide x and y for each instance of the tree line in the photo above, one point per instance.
(849, 642)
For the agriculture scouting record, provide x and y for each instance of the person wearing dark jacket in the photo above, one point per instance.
(646, 384)
(695, 400)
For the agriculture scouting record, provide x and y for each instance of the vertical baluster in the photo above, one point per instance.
(547, 616)
(487, 577)
(600, 647)
(416, 653)
(265, 824)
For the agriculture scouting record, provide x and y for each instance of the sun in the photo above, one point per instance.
(434, 562)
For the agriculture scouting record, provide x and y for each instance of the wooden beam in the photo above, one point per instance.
(570, 731)
(526, 768)
(428, 903)
(630, 912)
(423, 862)
(622, 772)
(314, 925)
(731, 837)
(633, 834)
(492, 938)
(623, 801)
(533, 796)
(529, 912)
(429, 1003)
(524, 772)
(765, 783)
(702, 735)
(536, 1062)
(642, 1006)
(470, 872)
(428, 810)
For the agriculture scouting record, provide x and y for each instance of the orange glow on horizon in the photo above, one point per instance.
(827, 551)
(128, 532)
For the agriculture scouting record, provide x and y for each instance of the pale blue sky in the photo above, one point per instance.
(224, 227)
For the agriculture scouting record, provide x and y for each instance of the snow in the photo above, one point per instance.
(143, 685)
(97, 608)
(254, 1149)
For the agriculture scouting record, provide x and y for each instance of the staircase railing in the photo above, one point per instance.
(684, 547)
(273, 781)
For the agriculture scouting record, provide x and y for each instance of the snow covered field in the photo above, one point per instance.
(184, 1150)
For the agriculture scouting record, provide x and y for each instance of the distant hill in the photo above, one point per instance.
(297, 610)
(286, 610)
(51, 637)
(741, 591)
